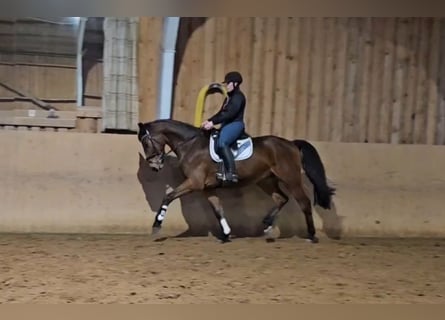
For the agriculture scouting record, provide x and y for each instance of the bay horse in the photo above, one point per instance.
(273, 160)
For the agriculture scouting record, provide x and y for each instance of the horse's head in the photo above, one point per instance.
(153, 145)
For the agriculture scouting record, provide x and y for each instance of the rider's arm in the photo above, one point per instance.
(229, 111)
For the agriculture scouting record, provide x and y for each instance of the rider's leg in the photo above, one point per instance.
(228, 135)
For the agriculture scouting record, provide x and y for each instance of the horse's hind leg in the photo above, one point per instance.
(305, 205)
(271, 186)
(294, 183)
(219, 213)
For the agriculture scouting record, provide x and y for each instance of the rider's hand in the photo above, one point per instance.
(207, 125)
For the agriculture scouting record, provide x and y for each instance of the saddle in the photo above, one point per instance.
(242, 148)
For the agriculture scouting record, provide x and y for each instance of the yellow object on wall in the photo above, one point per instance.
(199, 109)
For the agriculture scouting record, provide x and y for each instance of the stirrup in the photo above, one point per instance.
(232, 177)
(221, 173)
(224, 176)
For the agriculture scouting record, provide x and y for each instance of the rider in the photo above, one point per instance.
(231, 118)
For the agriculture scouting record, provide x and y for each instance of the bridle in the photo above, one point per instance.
(148, 138)
(159, 152)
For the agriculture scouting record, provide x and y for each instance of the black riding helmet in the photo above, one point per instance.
(233, 76)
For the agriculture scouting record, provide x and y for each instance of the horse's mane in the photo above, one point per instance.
(184, 129)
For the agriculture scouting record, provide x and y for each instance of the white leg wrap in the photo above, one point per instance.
(225, 226)
(162, 213)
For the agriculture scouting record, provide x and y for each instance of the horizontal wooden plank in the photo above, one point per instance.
(37, 113)
(44, 65)
(38, 122)
(89, 112)
(49, 100)
(81, 112)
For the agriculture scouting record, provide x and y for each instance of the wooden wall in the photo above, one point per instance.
(149, 42)
(38, 57)
(327, 79)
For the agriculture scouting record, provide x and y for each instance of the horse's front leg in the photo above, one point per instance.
(182, 189)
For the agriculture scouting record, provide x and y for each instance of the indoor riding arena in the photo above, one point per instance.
(78, 198)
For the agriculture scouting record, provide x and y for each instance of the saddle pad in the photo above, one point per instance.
(243, 151)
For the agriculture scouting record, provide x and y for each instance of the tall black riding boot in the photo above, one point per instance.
(229, 163)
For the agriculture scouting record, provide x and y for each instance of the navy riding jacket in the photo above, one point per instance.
(232, 109)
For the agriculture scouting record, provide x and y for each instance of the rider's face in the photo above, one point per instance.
(229, 86)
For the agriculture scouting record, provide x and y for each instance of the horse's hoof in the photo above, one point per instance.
(155, 231)
(160, 239)
(267, 230)
(314, 239)
(225, 238)
(270, 234)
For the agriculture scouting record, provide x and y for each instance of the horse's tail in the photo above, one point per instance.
(314, 168)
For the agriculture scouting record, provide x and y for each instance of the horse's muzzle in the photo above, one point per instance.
(155, 163)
